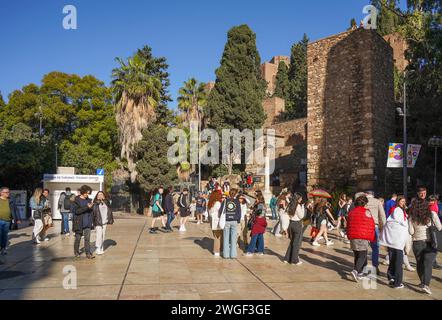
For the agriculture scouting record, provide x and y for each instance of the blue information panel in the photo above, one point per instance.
(100, 172)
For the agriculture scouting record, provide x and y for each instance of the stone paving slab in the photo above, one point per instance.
(138, 265)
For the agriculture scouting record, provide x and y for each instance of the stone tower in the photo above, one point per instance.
(351, 115)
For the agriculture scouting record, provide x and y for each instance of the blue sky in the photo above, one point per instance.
(190, 34)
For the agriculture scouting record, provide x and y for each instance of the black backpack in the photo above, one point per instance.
(67, 202)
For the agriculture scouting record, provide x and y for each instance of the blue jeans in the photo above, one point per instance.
(230, 239)
(274, 215)
(170, 217)
(375, 249)
(257, 239)
(65, 222)
(4, 230)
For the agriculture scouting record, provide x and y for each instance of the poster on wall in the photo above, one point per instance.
(412, 154)
(395, 155)
(20, 199)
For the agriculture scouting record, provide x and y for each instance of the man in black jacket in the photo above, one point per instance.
(83, 221)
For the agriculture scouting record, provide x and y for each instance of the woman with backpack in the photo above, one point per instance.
(321, 212)
(394, 236)
(422, 225)
(230, 216)
(102, 217)
(296, 212)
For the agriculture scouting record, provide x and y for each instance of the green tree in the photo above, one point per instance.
(192, 97)
(282, 87)
(388, 19)
(296, 106)
(140, 86)
(76, 112)
(22, 160)
(153, 167)
(353, 24)
(236, 99)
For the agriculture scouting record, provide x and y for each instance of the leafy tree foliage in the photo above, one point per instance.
(76, 113)
(140, 86)
(22, 159)
(282, 87)
(153, 167)
(236, 99)
(296, 105)
(388, 19)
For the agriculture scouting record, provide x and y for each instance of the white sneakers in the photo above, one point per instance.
(409, 268)
(99, 252)
(216, 254)
(426, 289)
(328, 243)
(182, 228)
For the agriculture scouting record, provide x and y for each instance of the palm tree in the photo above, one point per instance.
(193, 96)
(139, 87)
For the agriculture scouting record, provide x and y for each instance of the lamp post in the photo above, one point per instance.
(199, 111)
(56, 158)
(403, 113)
(435, 142)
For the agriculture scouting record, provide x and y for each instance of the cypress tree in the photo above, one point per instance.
(296, 106)
(236, 99)
(282, 82)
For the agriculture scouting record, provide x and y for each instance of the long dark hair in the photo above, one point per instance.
(319, 207)
(420, 212)
(293, 205)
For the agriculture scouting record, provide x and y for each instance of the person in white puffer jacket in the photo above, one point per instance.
(394, 236)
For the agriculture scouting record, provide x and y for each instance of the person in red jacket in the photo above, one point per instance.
(258, 230)
(360, 232)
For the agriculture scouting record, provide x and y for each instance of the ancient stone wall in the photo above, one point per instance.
(350, 110)
(273, 107)
(399, 45)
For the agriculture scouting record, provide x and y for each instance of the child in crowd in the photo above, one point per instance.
(258, 230)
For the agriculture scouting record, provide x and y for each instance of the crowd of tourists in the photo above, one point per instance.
(238, 221)
(363, 221)
(86, 214)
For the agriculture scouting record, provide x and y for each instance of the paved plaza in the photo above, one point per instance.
(138, 265)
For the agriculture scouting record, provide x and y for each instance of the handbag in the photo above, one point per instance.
(433, 234)
(222, 218)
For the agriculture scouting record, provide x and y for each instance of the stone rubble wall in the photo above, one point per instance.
(350, 110)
